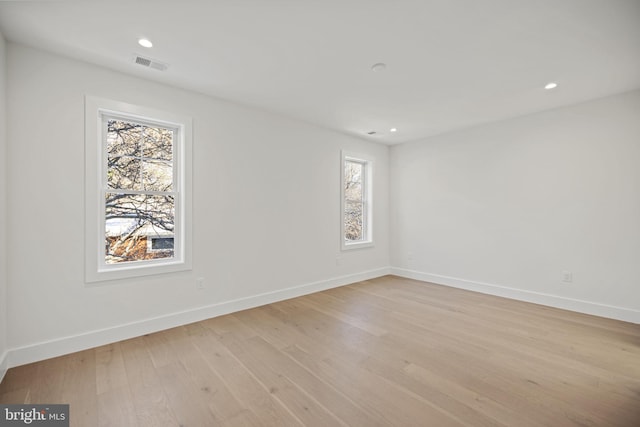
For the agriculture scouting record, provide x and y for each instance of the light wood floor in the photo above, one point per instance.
(389, 351)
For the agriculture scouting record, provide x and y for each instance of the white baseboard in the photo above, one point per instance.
(4, 364)
(587, 307)
(65, 345)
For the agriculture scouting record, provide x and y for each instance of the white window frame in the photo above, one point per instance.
(367, 192)
(96, 269)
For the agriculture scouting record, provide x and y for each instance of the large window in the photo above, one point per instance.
(356, 202)
(137, 190)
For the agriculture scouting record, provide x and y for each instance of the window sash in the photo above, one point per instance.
(353, 201)
(106, 189)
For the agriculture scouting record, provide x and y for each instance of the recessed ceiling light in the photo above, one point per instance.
(393, 130)
(551, 85)
(380, 66)
(145, 43)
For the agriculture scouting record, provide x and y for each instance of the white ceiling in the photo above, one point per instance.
(450, 63)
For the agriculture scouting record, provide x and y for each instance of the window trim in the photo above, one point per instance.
(367, 199)
(96, 270)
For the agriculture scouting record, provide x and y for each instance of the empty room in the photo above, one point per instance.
(320, 213)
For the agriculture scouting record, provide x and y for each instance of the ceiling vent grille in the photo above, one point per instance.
(150, 63)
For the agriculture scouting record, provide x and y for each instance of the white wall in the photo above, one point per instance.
(3, 210)
(506, 208)
(266, 210)
(503, 208)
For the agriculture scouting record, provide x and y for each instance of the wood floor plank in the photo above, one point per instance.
(184, 397)
(383, 352)
(116, 408)
(19, 396)
(390, 406)
(210, 387)
(256, 398)
(79, 388)
(303, 406)
(329, 397)
(110, 370)
(147, 394)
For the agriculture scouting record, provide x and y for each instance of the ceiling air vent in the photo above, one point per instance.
(150, 63)
(373, 132)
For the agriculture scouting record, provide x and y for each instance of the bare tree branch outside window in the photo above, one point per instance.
(139, 200)
(353, 201)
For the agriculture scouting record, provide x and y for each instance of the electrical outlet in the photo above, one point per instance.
(567, 277)
(200, 283)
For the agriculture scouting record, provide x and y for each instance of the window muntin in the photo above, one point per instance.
(356, 202)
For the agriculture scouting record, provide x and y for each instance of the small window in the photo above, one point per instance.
(160, 244)
(137, 191)
(356, 202)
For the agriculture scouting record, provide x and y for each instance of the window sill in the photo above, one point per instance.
(356, 245)
(120, 272)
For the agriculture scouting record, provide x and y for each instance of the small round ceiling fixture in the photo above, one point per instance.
(145, 43)
(551, 85)
(393, 130)
(380, 66)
